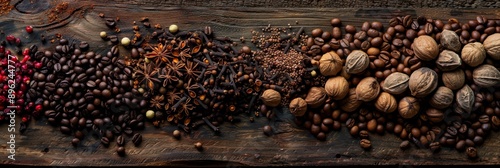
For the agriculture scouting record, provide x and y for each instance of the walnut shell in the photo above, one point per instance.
(450, 40)
(396, 83)
(350, 103)
(454, 79)
(465, 99)
(442, 98)
(473, 54)
(486, 76)
(422, 82)
(330, 64)
(408, 107)
(298, 107)
(386, 103)
(356, 62)
(492, 46)
(337, 87)
(425, 48)
(368, 89)
(316, 97)
(448, 60)
(271, 98)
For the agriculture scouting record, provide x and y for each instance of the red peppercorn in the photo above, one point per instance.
(2, 49)
(38, 108)
(8, 53)
(26, 51)
(10, 38)
(38, 65)
(25, 119)
(29, 29)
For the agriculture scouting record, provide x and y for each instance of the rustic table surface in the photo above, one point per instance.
(239, 144)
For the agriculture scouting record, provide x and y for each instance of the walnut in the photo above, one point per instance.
(448, 60)
(350, 103)
(316, 97)
(454, 79)
(368, 89)
(357, 61)
(337, 87)
(425, 48)
(386, 103)
(449, 40)
(486, 76)
(271, 98)
(408, 107)
(473, 54)
(442, 98)
(330, 64)
(298, 107)
(492, 46)
(465, 99)
(422, 82)
(396, 83)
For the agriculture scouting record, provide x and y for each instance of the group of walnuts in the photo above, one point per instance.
(422, 83)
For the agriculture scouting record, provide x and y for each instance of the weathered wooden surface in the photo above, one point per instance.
(239, 144)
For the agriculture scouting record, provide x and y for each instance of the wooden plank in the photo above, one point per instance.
(241, 143)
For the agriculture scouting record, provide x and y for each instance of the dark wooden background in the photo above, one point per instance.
(238, 144)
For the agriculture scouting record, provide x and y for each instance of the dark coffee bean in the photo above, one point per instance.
(350, 29)
(372, 33)
(363, 134)
(460, 145)
(484, 119)
(428, 28)
(137, 139)
(105, 141)
(486, 127)
(376, 42)
(120, 141)
(65, 130)
(435, 146)
(319, 41)
(471, 152)
(75, 142)
(316, 32)
(120, 151)
(128, 131)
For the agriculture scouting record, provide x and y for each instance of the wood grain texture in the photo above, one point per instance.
(241, 143)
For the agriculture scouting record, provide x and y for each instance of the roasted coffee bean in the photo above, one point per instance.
(105, 141)
(120, 151)
(365, 144)
(120, 141)
(137, 139)
(363, 134)
(404, 145)
(471, 152)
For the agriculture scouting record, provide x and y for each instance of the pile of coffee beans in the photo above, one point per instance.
(84, 93)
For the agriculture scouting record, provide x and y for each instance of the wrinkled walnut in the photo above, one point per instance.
(465, 98)
(442, 98)
(316, 97)
(450, 40)
(396, 83)
(425, 48)
(422, 82)
(357, 62)
(486, 76)
(386, 103)
(351, 102)
(454, 79)
(330, 64)
(368, 89)
(337, 87)
(298, 107)
(473, 54)
(492, 46)
(448, 60)
(271, 98)
(408, 107)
